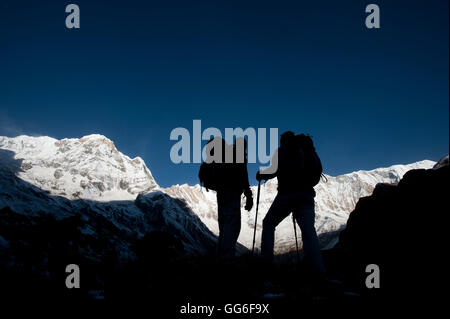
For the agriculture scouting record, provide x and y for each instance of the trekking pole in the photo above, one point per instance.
(256, 216)
(296, 240)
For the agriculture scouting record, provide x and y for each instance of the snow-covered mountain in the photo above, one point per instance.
(88, 177)
(90, 167)
(90, 174)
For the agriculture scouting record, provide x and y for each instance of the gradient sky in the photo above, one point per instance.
(137, 69)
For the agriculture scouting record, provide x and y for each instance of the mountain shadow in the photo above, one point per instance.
(153, 249)
(40, 234)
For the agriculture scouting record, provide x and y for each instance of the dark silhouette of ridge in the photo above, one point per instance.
(400, 228)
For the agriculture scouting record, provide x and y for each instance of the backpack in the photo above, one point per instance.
(312, 170)
(210, 175)
(230, 175)
(314, 167)
(213, 175)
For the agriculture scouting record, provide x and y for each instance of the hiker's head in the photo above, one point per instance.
(215, 150)
(286, 138)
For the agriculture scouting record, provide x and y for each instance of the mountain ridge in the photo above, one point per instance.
(92, 168)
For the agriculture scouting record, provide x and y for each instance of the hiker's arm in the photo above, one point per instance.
(265, 176)
(247, 190)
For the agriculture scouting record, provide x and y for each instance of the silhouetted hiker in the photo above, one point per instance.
(298, 169)
(225, 171)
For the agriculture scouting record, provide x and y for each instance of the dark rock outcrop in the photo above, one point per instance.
(442, 162)
(401, 229)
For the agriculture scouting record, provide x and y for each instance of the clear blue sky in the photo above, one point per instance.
(137, 69)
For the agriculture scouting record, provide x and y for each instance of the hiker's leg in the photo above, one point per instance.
(277, 212)
(305, 216)
(221, 202)
(231, 225)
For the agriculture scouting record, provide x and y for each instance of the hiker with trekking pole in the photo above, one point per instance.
(298, 169)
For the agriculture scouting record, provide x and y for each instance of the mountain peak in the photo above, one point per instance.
(95, 136)
(90, 167)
